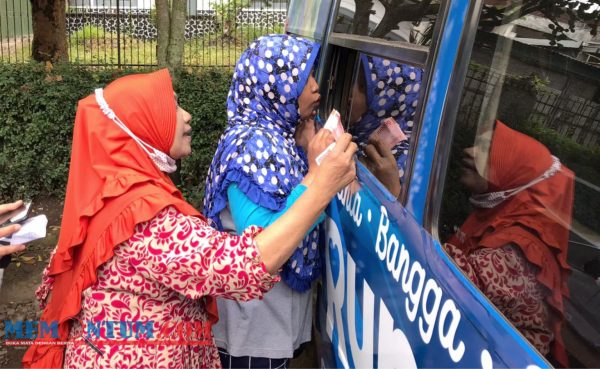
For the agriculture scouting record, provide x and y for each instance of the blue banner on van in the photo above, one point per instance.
(391, 298)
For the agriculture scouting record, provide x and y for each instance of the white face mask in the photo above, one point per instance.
(163, 161)
(492, 199)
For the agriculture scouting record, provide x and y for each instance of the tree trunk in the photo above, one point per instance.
(170, 24)
(177, 36)
(360, 23)
(163, 28)
(49, 30)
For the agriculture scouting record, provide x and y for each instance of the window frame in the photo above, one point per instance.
(445, 140)
(439, 167)
(405, 52)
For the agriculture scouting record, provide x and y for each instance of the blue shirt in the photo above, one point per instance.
(246, 213)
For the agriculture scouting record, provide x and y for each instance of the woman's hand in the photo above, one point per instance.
(316, 146)
(382, 163)
(338, 168)
(5, 213)
(278, 241)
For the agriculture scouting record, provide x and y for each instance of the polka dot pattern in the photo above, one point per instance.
(257, 151)
(392, 91)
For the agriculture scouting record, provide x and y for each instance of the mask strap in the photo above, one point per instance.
(492, 199)
(162, 160)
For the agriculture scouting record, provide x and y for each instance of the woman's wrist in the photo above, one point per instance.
(319, 197)
(308, 178)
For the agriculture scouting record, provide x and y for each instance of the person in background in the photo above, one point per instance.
(513, 246)
(259, 171)
(6, 210)
(132, 249)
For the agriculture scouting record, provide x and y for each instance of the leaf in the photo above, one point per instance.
(28, 259)
(18, 264)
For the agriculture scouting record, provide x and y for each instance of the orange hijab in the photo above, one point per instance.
(536, 219)
(113, 185)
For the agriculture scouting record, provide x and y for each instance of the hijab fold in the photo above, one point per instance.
(113, 185)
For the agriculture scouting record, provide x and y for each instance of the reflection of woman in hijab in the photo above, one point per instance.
(384, 89)
(514, 245)
(257, 172)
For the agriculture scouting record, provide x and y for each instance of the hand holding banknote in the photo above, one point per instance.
(334, 125)
(381, 162)
(388, 134)
(319, 143)
(18, 230)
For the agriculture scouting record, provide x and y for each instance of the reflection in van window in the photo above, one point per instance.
(514, 244)
(408, 21)
(384, 99)
(536, 69)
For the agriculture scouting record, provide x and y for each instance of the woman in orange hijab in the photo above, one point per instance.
(133, 257)
(514, 244)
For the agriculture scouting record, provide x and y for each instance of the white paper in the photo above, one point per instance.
(334, 124)
(31, 229)
(324, 154)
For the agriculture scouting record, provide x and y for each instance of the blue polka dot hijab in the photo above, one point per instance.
(392, 90)
(257, 151)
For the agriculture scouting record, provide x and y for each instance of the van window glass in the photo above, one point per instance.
(407, 21)
(383, 104)
(521, 203)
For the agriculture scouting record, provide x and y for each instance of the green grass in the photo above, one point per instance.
(94, 46)
(88, 32)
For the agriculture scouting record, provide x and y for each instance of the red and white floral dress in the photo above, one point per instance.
(506, 277)
(161, 274)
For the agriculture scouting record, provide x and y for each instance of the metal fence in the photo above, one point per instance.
(15, 30)
(572, 116)
(122, 33)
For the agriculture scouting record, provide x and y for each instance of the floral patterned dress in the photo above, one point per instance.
(506, 277)
(160, 275)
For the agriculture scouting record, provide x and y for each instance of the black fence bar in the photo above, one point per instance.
(119, 33)
(572, 116)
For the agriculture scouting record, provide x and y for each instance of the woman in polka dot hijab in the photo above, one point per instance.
(392, 90)
(258, 152)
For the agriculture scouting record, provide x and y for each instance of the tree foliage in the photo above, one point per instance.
(38, 109)
(559, 12)
(226, 12)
